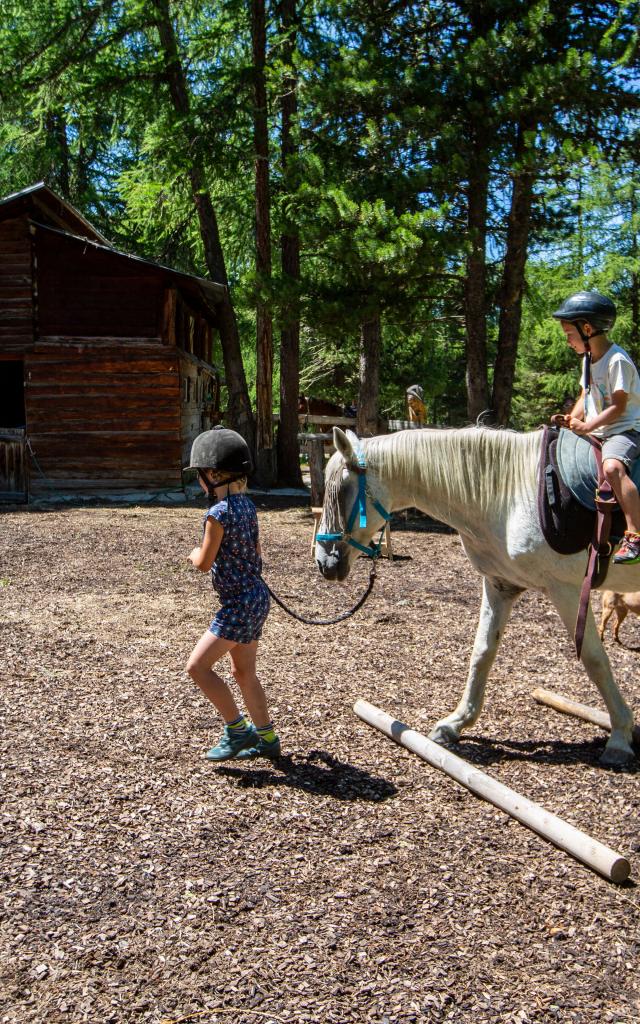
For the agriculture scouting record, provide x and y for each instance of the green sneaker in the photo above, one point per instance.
(261, 749)
(232, 743)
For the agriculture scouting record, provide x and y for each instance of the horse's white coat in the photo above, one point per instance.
(484, 484)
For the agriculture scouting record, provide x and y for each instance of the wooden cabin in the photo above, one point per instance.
(106, 370)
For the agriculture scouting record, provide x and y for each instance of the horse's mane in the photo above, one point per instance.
(487, 467)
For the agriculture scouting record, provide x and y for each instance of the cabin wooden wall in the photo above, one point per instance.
(103, 386)
(103, 417)
(198, 402)
(16, 298)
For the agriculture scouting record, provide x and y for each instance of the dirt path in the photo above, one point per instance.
(349, 884)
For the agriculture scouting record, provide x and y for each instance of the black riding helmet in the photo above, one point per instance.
(221, 450)
(588, 307)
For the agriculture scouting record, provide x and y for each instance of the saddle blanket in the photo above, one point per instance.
(566, 490)
(578, 468)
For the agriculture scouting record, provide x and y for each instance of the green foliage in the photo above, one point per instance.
(389, 98)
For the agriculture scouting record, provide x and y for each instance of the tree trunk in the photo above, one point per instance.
(58, 144)
(239, 409)
(265, 454)
(288, 448)
(367, 419)
(635, 283)
(513, 283)
(476, 278)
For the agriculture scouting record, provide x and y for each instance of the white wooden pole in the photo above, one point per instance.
(601, 858)
(577, 710)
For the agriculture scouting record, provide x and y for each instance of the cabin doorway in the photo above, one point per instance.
(13, 461)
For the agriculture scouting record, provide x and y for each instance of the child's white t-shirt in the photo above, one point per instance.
(614, 371)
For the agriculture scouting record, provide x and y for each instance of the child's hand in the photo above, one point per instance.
(579, 426)
(560, 420)
(194, 557)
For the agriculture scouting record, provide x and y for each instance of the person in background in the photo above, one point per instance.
(415, 405)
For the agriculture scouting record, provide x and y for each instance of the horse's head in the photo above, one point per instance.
(355, 507)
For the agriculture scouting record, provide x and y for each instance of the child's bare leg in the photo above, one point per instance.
(243, 667)
(209, 650)
(625, 491)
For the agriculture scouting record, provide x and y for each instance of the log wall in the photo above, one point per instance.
(103, 417)
(16, 299)
(199, 402)
(85, 291)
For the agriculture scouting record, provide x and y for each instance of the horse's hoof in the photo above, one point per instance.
(445, 735)
(615, 757)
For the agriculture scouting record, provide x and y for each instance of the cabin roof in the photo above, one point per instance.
(41, 198)
(207, 292)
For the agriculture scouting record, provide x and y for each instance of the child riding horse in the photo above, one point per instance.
(484, 484)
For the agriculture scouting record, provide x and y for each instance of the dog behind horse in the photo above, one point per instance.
(621, 604)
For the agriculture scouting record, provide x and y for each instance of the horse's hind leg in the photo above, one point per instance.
(594, 658)
(497, 600)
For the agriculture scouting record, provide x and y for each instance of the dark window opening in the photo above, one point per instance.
(12, 412)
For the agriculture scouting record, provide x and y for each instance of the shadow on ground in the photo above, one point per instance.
(480, 751)
(317, 772)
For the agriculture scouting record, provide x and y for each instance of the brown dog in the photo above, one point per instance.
(621, 604)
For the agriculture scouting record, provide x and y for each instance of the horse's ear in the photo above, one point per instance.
(355, 440)
(344, 446)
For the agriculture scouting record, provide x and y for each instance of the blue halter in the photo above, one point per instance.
(360, 510)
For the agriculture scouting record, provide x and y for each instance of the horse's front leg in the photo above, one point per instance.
(594, 658)
(497, 601)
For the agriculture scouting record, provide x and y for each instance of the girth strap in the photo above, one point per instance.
(600, 547)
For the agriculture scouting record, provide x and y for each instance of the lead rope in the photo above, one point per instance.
(338, 618)
(37, 464)
(359, 509)
(600, 548)
(344, 615)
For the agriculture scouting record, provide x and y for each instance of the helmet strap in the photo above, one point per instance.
(211, 485)
(586, 373)
(586, 340)
(586, 337)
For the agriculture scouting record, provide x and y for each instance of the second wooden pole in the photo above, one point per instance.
(577, 710)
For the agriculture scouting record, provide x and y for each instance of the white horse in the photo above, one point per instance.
(483, 483)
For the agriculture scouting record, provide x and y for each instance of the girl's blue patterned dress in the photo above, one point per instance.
(235, 574)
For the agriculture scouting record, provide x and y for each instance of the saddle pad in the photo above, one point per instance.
(567, 525)
(578, 467)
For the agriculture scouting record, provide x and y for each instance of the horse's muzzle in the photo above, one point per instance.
(332, 563)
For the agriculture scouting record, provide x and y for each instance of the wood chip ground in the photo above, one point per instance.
(348, 884)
